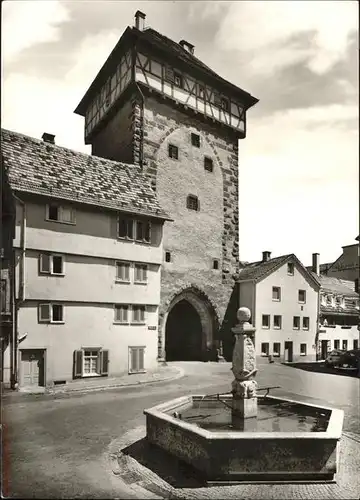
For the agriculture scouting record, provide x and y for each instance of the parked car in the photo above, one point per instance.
(350, 359)
(334, 358)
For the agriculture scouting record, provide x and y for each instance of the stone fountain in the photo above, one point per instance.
(242, 436)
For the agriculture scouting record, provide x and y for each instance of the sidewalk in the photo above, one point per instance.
(162, 374)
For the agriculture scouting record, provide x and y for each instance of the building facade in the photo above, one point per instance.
(156, 105)
(283, 297)
(347, 266)
(87, 252)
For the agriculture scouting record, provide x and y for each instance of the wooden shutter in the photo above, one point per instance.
(169, 74)
(44, 263)
(44, 313)
(78, 364)
(141, 359)
(104, 362)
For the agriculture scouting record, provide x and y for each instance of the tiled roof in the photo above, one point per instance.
(35, 166)
(337, 286)
(257, 271)
(348, 309)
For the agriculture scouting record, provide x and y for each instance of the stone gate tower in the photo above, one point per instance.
(155, 105)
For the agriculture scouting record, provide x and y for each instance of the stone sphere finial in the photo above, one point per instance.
(243, 314)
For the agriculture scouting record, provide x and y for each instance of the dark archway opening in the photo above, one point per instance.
(183, 334)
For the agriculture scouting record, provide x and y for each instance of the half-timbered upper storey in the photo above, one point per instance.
(145, 57)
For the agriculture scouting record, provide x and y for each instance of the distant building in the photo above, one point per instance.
(283, 298)
(84, 243)
(339, 313)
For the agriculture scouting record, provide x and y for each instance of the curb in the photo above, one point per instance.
(76, 390)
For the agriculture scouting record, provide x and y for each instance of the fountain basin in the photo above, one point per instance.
(219, 453)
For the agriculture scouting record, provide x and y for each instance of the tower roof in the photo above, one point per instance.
(151, 40)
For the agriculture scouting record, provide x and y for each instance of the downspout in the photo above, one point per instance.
(21, 292)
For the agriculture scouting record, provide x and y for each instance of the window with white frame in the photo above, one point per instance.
(51, 264)
(302, 296)
(277, 322)
(60, 213)
(303, 349)
(276, 349)
(138, 314)
(306, 323)
(276, 293)
(344, 345)
(265, 349)
(136, 359)
(266, 320)
(140, 273)
(122, 272)
(51, 313)
(90, 362)
(296, 322)
(121, 313)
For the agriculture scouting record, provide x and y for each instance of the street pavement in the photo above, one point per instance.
(57, 446)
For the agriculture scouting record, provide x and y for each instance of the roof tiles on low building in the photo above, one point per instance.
(38, 167)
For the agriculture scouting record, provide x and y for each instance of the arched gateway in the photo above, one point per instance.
(189, 326)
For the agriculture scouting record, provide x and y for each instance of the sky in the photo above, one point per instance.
(298, 165)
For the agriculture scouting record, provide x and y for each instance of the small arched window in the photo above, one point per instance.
(192, 203)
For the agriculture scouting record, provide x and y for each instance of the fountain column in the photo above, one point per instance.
(244, 407)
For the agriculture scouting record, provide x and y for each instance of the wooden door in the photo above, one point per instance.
(288, 351)
(32, 367)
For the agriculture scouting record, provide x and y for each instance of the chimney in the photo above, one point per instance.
(187, 46)
(50, 138)
(140, 20)
(316, 263)
(266, 256)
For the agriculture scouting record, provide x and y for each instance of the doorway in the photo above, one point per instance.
(183, 333)
(324, 349)
(288, 351)
(32, 368)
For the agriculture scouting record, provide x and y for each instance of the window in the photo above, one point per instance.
(51, 313)
(302, 349)
(215, 264)
(142, 231)
(276, 349)
(344, 345)
(136, 359)
(138, 314)
(296, 323)
(178, 80)
(201, 91)
(208, 164)
(51, 264)
(355, 344)
(192, 203)
(337, 344)
(276, 293)
(134, 229)
(224, 103)
(329, 300)
(125, 228)
(3, 296)
(290, 268)
(123, 272)
(302, 296)
(277, 322)
(173, 152)
(60, 213)
(90, 362)
(140, 273)
(195, 140)
(306, 323)
(167, 257)
(266, 321)
(265, 349)
(121, 313)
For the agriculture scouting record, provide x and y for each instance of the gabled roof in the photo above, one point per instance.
(337, 286)
(38, 167)
(152, 39)
(257, 271)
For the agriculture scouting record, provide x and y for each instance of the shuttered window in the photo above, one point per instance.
(90, 362)
(169, 74)
(123, 271)
(51, 313)
(51, 264)
(136, 359)
(140, 273)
